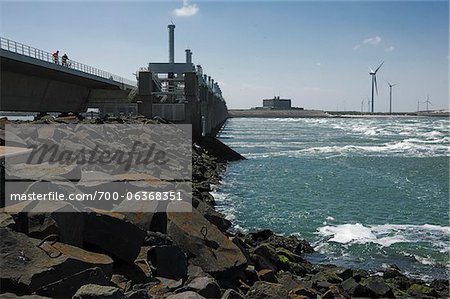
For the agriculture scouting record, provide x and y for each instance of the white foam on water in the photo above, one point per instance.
(425, 260)
(388, 234)
(346, 233)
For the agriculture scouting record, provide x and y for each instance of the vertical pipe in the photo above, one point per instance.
(171, 43)
(188, 56)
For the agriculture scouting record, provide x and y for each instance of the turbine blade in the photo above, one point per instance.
(379, 67)
(370, 69)
(389, 83)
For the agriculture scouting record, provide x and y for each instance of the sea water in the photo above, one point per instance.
(365, 192)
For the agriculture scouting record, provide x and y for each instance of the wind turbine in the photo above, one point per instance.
(362, 106)
(428, 102)
(390, 95)
(373, 73)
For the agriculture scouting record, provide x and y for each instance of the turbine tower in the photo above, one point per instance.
(390, 96)
(373, 73)
(428, 102)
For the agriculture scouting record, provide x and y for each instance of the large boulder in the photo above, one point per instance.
(67, 286)
(263, 289)
(59, 218)
(111, 232)
(355, 289)
(205, 286)
(186, 295)
(90, 291)
(211, 215)
(25, 267)
(6, 220)
(205, 244)
(14, 296)
(169, 261)
(379, 287)
(231, 294)
(420, 290)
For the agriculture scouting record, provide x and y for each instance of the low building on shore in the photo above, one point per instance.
(277, 103)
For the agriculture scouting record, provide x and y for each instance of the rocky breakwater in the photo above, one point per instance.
(103, 254)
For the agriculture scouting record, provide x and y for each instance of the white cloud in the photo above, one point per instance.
(319, 64)
(373, 40)
(187, 10)
(357, 47)
(390, 49)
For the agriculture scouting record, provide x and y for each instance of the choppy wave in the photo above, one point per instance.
(388, 234)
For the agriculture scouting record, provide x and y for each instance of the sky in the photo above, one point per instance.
(317, 53)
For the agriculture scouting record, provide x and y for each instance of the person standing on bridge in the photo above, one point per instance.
(64, 59)
(55, 56)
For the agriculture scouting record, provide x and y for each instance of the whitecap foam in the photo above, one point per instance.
(388, 234)
(346, 233)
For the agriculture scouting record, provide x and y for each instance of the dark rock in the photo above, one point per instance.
(6, 220)
(292, 257)
(119, 281)
(218, 149)
(359, 274)
(205, 244)
(110, 232)
(328, 275)
(303, 292)
(138, 294)
(169, 261)
(212, 215)
(266, 251)
(243, 247)
(263, 289)
(420, 290)
(267, 275)
(26, 268)
(355, 289)
(98, 291)
(392, 273)
(321, 285)
(262, 262)
(231, 294)
(153, 222)
(334, 292)
(171, 283)
(15, 296)
(243, 287)
(343, 273)
(186, 295)
(157, 239)
(379, 287)
(60, 218)
(67, 286)
(194, 271)
(205, 286)
(250, 274)
(290, 281)
(291, 243)
(261, 235)
(441, 286)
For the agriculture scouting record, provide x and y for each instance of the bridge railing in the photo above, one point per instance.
(19, 48)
